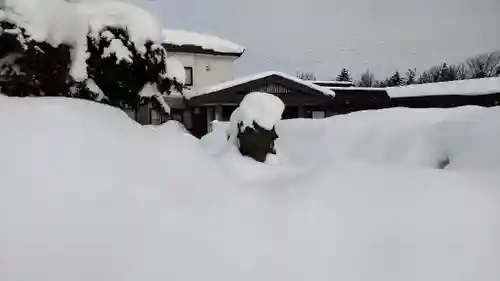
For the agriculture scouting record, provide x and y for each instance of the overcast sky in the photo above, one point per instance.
(325, 35)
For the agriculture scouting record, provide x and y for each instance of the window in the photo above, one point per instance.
(155, 117)
(189, 75)
(318, 114)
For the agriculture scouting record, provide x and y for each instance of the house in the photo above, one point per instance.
(302, 99)
(212, 93)
(480, 92)
(207, 60)
(319, 99)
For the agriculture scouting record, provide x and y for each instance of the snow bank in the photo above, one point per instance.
(469, 87)
(207, 42)
(466, 137)
(250, 78)
(87, 194)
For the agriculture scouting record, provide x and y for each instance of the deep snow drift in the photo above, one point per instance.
(466, 137)
(87, 194)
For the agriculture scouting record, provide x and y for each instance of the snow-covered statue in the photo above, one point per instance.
(252, 125)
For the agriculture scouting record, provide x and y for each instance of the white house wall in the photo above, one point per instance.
(185, 59)
(211, 70)
(207, 70)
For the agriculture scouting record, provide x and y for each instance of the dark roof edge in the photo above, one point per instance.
(194, 49)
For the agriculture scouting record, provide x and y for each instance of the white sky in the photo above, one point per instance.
(325, 35)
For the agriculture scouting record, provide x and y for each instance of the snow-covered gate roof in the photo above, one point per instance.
(240, 83)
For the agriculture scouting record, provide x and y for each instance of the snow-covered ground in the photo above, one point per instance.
(413, 138)
(87, 194)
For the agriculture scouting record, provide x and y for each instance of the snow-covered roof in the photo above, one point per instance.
(246, 79)
(469, 87)
(206, 42)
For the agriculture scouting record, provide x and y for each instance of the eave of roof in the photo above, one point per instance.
(193, 49)
(247, 79)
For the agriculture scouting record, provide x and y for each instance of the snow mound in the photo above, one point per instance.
(87, 194)
(207, 42)
(470, 87)
(463, 138)
(262, 108)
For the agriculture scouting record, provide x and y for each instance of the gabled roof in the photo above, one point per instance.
(248, 79)
(190, 42)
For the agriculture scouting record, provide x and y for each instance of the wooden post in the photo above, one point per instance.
(302, 112)
(210, 118)
(218, 113)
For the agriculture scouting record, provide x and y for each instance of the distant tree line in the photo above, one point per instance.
(481, 66)
(306, 75)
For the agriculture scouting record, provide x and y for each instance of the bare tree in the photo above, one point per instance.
(459, 71)
(443, 73)
(485, 65)
(306, 75)
(367, 79)
(411, 76)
